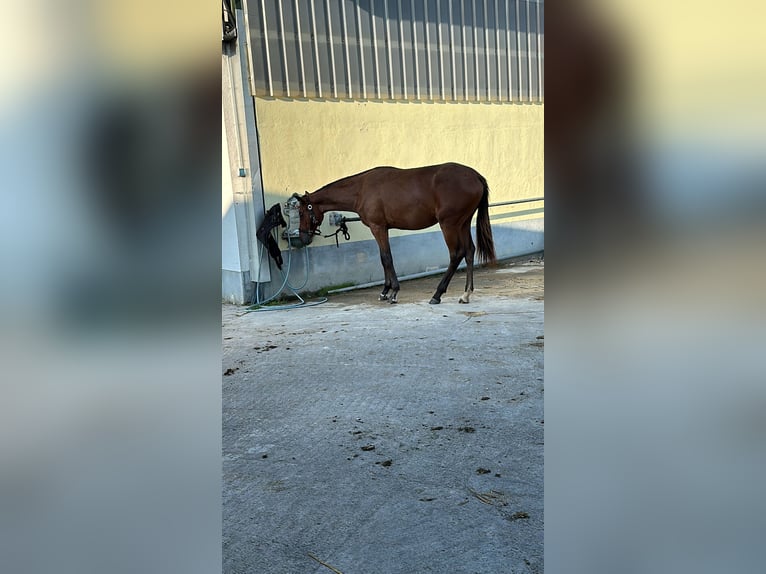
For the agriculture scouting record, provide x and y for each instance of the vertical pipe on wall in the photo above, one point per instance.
(415, 50)
(330, 41)
(375, 48)
(266, 44)
(476, 44)
(299, 39)
(361, 47)
(498, 51)
(539, 54)
(235, 109)
(316, 48)
(390, 59)
(428, 53)
(508, 49)
(452, 51)
(475, 50)
(465, 55)
(440, 44)
(529, 52)
(284, 49)
(347, 57)
(487, 63)
(247, 45)
(518, 48)
(401, 49)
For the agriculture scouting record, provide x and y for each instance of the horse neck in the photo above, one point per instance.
(339, 196)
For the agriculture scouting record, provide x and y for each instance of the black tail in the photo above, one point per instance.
(484, 242)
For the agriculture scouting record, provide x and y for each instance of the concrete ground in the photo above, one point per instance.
(362, 437)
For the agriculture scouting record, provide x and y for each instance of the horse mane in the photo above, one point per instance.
(342, 179)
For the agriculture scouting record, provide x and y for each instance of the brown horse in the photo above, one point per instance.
(391, 198)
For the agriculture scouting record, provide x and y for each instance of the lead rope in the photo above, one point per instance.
(341, 229)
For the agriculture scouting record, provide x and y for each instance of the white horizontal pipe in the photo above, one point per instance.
(405, 278)
(419, 275)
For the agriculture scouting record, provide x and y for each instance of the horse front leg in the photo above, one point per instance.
(391, 283)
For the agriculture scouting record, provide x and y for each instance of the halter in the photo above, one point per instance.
(312, 217)
(342, 228)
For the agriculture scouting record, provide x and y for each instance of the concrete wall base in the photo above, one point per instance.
(236, 287)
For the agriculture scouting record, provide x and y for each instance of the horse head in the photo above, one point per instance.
(310, 217)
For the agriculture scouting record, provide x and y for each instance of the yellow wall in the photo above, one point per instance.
(305, 144)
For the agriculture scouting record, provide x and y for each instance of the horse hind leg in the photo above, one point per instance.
(457, 252)
(470, 251)
(444, 283)
(393, 281)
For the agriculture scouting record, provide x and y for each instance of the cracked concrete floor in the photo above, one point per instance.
(368, 438)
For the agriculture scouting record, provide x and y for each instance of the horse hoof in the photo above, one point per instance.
(383, 298)
(393, 301)
(463, 302)
(434, 301)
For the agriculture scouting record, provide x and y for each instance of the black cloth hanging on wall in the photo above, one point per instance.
(272, 219)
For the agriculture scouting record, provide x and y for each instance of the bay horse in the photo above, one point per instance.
(393, 198)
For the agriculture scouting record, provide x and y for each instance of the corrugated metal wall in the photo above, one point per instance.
(447, 50)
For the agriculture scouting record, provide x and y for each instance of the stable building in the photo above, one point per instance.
(317, 90)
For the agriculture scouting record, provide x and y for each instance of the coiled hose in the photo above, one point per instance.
(259, 305)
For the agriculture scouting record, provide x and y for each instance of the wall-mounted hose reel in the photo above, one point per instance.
(293, 233)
